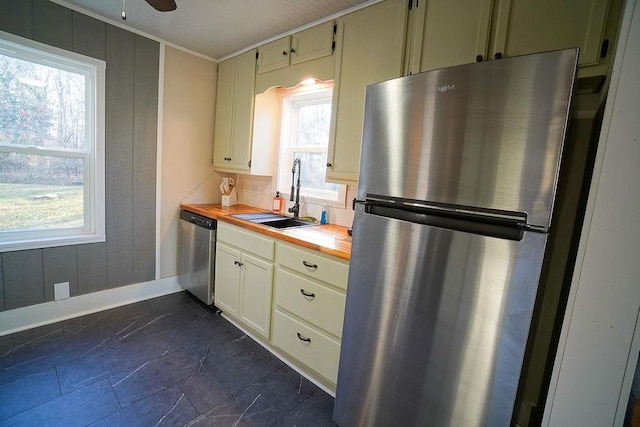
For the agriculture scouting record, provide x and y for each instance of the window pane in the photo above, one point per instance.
(313, 124)
(312, 171)
(41, 105)
(40, 192)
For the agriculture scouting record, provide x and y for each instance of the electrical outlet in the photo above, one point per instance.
(61, 291)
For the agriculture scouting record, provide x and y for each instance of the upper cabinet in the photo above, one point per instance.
(445, 33)
(234, 114)
(369, 49)
(306, 45)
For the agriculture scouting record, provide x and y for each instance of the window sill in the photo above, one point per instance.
(81, 239)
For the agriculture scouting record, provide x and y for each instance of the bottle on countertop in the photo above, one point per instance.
(277, 202)
(323, 216)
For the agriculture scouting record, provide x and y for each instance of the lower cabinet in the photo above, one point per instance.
(295, 306)
(309, 301)
(244, 277)
(307, 344)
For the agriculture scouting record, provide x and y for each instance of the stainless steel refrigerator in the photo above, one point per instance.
(458, 176)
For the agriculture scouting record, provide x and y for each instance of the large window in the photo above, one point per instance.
(51, 146)
(306, 115)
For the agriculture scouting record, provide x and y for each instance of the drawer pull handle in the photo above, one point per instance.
(306, 264)
(306, 294)
(302, 337)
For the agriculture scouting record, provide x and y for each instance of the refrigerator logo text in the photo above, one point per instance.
(445, 88)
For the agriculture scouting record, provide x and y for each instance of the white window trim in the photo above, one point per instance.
(314, 197)
(94, 209)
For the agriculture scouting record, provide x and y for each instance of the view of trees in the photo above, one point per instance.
(43, 107)
(313, 130)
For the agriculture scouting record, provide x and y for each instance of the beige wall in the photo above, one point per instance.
(189, 93)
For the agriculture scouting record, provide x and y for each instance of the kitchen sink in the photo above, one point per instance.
(272, 220)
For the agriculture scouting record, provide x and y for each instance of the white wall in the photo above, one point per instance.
(599, 343)
(186, 171)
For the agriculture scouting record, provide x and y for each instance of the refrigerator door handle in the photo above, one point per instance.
(503, 228)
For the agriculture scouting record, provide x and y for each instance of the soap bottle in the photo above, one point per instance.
(323, 216)
(277, 203)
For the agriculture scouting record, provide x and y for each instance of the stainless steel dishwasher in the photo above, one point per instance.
(197, 255)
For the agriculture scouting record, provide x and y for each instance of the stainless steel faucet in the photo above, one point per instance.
(295, 209)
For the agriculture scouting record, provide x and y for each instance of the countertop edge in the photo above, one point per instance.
(222, 213)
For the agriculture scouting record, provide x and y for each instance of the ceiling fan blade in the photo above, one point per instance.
(163, 5)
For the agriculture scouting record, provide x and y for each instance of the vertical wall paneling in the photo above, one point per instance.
(52, 24)
(1, 287)
(27, 277)
(16, 17)
(92, 268)
(23, 281)
(119, 156)
(60, 265)
(89, 36)
(147, 57)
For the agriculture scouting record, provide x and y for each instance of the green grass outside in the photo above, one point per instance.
(29, 207)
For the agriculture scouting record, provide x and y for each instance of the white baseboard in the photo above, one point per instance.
(20, 319)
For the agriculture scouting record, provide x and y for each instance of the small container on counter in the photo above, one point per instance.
(278, 202)
(323, 215)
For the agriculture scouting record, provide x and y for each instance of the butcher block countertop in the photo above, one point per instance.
(326, 238)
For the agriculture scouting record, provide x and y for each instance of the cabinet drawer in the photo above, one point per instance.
(310, 346)
(321, 306)
(247, 241)
(314, 264)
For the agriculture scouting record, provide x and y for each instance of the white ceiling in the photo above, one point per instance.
(216, 28)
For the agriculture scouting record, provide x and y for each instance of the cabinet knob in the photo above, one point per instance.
(284, 52)
(306, 294)
(479, 58)
(302, 337)
(329, 164)
(498, 55)
(293, 50)
(312, 266)
(238, 263)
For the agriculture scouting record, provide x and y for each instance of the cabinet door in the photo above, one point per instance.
(243, 98)
(227, 285)
(255, 302)
(523, 27)
(369, 49)
(455, 32)
(312, 43)
(274, 55)
(224, 109)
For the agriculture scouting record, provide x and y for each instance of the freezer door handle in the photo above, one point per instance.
(483, 225)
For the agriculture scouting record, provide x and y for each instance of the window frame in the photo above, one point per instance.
(93, 154)
(290, 100)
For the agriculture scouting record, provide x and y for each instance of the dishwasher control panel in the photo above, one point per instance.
(199, 220)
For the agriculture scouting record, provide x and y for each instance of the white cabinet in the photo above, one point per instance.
(369, 49)
(310, 294)
(234, 114)
(244, 277)
(306, 45)
(444, 33)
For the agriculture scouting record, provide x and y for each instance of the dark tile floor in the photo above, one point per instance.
(165, 361)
